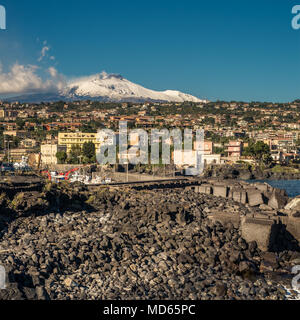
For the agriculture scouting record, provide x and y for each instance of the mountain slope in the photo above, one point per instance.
(108, 88)
(116, 88)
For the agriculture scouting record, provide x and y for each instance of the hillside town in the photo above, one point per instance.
(54, 133)
(149, 158)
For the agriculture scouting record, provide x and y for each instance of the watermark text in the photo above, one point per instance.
(2, 278)
(296, 279)
(296, 18)
(2, 18)
(156, 147)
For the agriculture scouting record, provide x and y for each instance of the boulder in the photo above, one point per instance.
(265, 207)
(220, 289)
(225, 218)
(220, 191)
(255, 197)
(246, 266)
(269, 262)
(263, 187)
(239, 195)
(278, 199)
(295, 214)
(262, 231)
(294, 204)
(204, 188)
(292, 226)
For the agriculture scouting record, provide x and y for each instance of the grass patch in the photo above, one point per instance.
(283, 169)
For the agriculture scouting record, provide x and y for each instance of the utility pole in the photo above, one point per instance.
(8, 156)
(4, 145)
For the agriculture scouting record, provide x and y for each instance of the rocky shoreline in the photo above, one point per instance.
(67, 242)
(243, 172)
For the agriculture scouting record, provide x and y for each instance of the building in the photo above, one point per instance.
(234, 149)
(48, 153)
(211, 159)
(69, 139)
(28, 143)
(15, 133)
(135, 139)
(15, 155)
(189, 158)
(206, 147)
(2, 113)
(281, 144)
(8, 114)
(62, 126)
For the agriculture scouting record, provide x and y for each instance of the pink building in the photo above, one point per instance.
(234, 149)
(208, 147)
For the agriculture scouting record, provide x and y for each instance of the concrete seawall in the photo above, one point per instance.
(271, 210)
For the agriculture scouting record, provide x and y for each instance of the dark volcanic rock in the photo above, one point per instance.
(129, 244)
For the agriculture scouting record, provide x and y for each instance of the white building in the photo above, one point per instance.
(189, 158)
(48, 153)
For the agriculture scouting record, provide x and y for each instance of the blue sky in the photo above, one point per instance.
(231, 50)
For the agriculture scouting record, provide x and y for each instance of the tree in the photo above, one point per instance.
(61, 157)
(89, 152)
(260, 151)
(15, 142)
(74, 154)
(248, 119)
(20, 123)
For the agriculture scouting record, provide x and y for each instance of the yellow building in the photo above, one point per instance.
(77, 138)
(2, 113)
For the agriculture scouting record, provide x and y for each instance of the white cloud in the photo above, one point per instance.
(43, 54)
(57, 78)
(53, 72)
(24, 79)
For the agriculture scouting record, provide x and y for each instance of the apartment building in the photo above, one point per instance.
(189, 158)
(48, 153)
(28, 143)
(77, 138)
(15, 155)
(234, 149)
(206, 147)
(2, 113)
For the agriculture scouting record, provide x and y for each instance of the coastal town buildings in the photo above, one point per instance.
(70, 139)
(229, 126)
(234, 150)
(48, 153)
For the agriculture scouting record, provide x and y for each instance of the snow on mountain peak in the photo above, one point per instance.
(113, 87)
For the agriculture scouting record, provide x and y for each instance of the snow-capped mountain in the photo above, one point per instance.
(114, 87)
(109, 88)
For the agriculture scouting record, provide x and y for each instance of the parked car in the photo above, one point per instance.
(7, 167)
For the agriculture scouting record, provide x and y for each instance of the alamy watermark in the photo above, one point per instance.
(296, 279)
(296, 18)
(133, 147)
(2, 18)
(2, 278)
